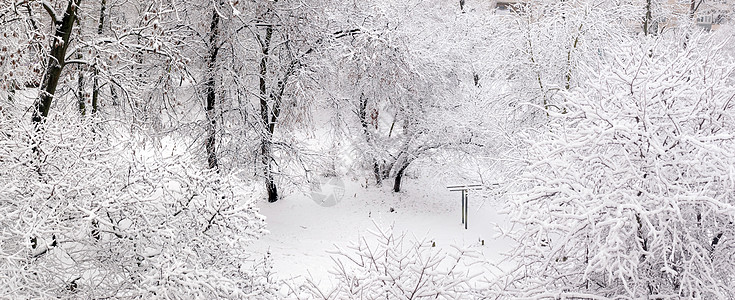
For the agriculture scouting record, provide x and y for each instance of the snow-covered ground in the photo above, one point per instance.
(302, 231)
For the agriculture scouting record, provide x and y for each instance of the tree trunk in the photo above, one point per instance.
(95, 90)
(362, 115)
(266, 147)
(648, 18)
(693, 7)
(377, 173)
(101, 25)
(95, 80)
(80, 89)
(211, 92)
(11, 92)
(270, 186)
(399, 177)
(60, 43)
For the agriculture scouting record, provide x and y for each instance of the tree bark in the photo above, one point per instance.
(211, 92)
(648, 18)
(693, 7)
(11, 92)
(399, 177)
(266, 146)
(95, 91)
(60, 43)
(80, 89)
(95, 80)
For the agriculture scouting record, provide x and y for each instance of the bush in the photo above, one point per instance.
(630, 190)
(392, 268)
(92, 217)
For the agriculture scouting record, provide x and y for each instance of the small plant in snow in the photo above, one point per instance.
(392, 268)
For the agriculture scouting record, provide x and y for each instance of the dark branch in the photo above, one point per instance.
(343, 33)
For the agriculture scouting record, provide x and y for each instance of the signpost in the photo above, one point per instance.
(465, 197)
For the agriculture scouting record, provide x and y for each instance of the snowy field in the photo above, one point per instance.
(302, 232)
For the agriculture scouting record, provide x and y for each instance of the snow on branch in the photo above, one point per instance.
(395, 268)
(102, 218)
(630, 192)
(51, 12)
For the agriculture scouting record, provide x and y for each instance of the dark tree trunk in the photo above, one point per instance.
(266, 147)
(270, 186)
(95, 80)
(101, 25)
(399, 177)
(693, 7)
(95, 91)
(211, 92)
(270, 108)
(376, 171)
(60, 43)
(11, 92)
(80, 90)
(648, 18)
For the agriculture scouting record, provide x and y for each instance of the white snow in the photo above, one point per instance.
(302, 233)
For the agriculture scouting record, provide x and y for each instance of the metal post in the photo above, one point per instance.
(463, 203)
(465, 188)
(466, 209)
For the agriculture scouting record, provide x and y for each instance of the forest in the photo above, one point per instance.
(143, 141)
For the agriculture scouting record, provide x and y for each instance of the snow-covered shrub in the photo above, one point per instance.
(541, 46)
(631, 192)
(394, 268)
(91, 215)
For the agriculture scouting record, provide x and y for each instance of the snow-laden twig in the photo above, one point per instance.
(394, 268)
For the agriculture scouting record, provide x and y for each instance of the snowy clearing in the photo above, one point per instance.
(302, 232)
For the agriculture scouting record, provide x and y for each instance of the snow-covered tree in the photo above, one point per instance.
(542, 43)
(20, 36)
(628, 192)
(398, 82)
(257, 89)
(100, 215)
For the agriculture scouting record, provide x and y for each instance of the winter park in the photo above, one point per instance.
(374, 149)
